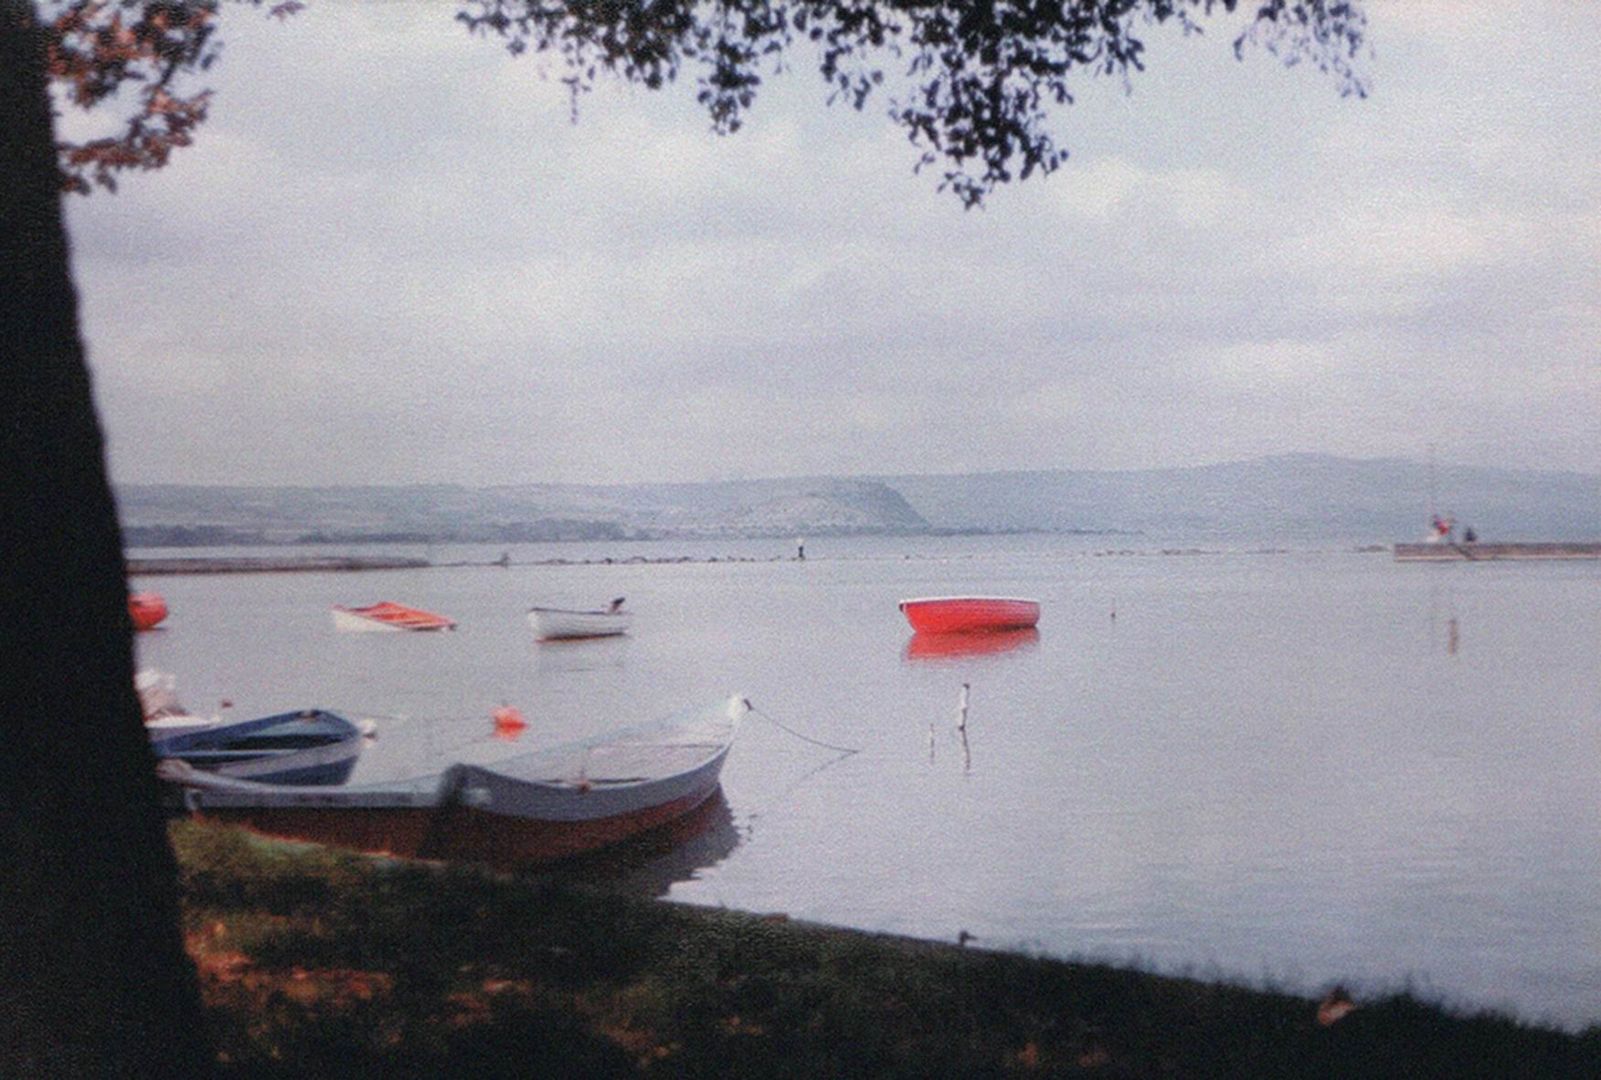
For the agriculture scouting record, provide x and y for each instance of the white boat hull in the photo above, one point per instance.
(350, 622)
(554, 624)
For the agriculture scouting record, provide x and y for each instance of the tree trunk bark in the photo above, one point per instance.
(94, 979)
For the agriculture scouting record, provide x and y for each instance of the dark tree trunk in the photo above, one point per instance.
(93, 977)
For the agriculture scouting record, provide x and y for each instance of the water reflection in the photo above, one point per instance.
(1443, 624)
(978, 643)
(963, 701)
(651, 864)
(574, 655)
(1443, 618)
(961, 736)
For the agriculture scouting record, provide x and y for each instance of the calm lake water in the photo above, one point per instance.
(1286, 767)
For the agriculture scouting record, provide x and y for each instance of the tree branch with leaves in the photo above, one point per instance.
(973, 83)
(97, 49)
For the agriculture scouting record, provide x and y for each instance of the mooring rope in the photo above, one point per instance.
(780, 725)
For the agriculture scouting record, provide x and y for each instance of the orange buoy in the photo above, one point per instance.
(509, 722)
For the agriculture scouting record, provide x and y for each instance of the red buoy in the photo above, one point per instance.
(146, 609)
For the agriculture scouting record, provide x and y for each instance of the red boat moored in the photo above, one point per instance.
(966, 614)
(146, 609)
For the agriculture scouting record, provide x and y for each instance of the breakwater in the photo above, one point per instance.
(274, 564)
(281, 564)
(1480, 552)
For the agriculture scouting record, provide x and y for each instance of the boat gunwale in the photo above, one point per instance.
(578, 611)
(978, 599)
(335, 725)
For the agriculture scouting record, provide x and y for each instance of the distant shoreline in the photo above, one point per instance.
(269, 564)
(176, 536)
(286, 564)
(162, 566)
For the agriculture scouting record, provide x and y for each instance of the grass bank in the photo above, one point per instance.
(316, 963)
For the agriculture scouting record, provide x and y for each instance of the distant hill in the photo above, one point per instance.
(1296, 497)
(1292, 497)
(170, 515)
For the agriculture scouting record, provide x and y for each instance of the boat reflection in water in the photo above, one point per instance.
(566, 656)
(975, 643)
(651, 864)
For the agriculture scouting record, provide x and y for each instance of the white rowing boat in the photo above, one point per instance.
(556, 624)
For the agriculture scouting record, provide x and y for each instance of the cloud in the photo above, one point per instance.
(1113, 188)
(392, 256)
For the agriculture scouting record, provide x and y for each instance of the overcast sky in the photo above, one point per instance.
(391, 257)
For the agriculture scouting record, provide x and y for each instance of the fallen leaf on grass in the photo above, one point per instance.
(1336, 1006)
(1028, 1057)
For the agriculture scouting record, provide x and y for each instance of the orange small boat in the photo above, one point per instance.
(969, 614)
(146, 609)
(389, 616)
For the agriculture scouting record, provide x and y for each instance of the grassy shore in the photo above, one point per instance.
(317, 963)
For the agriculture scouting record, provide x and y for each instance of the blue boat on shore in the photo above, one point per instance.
(312, 747)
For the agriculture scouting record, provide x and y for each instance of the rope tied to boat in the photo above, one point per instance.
(780, 725)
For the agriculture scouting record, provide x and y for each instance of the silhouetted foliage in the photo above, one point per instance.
(971, 83)
(976, 80)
